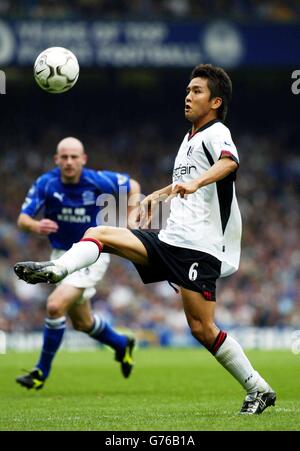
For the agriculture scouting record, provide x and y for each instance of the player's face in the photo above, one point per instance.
(198, 104)
(70, 161)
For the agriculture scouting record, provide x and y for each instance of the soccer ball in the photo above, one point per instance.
(56, 70)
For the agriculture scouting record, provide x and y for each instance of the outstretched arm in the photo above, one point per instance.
(33, 203)
(218, 171)
(150, 202)
(42, 227)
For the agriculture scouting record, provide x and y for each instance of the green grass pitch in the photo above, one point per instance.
(169, 390)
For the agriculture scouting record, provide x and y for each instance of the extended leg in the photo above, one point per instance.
(119, 241)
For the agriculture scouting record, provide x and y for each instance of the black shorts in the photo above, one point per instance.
(188, 268)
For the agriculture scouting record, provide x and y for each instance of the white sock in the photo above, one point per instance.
(81, 254)
(232, 357)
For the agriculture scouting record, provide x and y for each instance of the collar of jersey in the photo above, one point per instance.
(208, 124)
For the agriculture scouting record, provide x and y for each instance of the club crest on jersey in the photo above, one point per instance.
(190, 151)
(121, 179)
(88, 198)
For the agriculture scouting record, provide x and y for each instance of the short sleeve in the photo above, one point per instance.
(35, 198)
(111, 182)
(221, 145)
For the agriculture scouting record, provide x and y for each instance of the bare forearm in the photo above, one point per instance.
(27, 223)
(42, 227)
(166, 190)
(149, 203)
(217, 172)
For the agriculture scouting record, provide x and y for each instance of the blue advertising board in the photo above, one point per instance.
(151, 44)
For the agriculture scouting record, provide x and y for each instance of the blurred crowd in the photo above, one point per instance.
(241, 10)
(264, 292)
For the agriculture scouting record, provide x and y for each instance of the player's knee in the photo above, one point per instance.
(54, 308)
(99, 233)
(90, 232)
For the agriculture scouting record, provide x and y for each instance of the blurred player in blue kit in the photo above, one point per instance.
(68, 195)
(201, 240)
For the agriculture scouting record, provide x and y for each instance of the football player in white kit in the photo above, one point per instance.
(201, 240)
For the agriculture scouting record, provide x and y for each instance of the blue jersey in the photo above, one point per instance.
(72, 206)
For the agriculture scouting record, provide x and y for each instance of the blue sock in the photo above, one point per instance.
(103, 333)
(53, 334)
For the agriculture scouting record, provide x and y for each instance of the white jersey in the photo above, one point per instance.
(208, 220)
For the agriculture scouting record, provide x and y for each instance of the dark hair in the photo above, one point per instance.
(219, 84)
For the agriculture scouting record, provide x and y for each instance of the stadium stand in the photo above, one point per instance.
(139, 122)
(265, 290)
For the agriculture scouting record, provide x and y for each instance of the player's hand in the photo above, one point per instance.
(148, 206)
(183, 189)
(47, 226)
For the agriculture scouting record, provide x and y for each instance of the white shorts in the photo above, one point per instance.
(86, 277)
